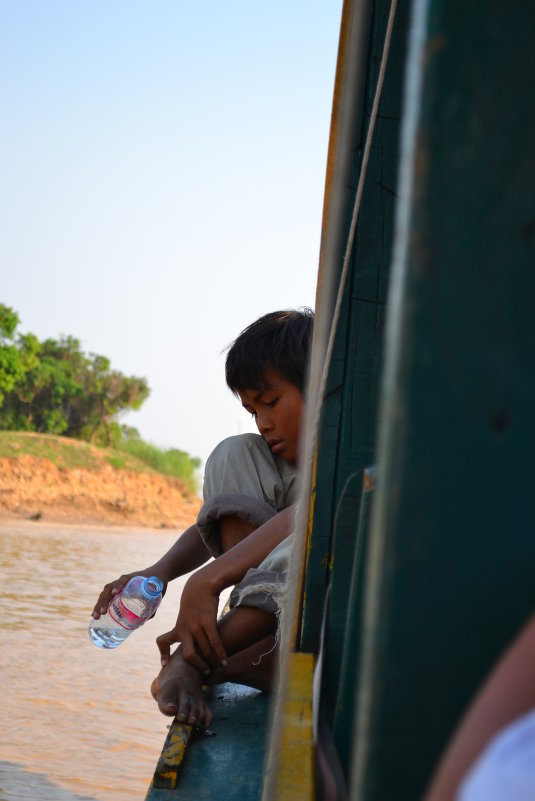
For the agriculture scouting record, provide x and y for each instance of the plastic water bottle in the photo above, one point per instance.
(136, 603)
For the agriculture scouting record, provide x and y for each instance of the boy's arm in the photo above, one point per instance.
(196, 626)
(187, 553)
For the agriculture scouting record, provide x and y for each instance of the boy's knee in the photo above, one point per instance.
(234, 450)
(243, 479)
(241, 464)
(242, 512)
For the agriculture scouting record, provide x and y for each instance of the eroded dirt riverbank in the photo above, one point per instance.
(34, 488)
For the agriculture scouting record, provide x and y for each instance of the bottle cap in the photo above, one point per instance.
(152, 587)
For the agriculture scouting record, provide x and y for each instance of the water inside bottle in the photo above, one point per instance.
(106, 637)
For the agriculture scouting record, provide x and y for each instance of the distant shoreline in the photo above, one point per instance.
(8, 521)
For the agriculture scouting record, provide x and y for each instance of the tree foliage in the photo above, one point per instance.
(53, 387)
(11, 359)
(171, 462)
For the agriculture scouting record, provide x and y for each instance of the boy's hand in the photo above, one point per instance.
(114, 588)
(196, 628)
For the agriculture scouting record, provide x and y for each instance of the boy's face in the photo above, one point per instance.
(278, 411)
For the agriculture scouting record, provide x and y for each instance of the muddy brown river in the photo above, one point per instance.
(77, 722)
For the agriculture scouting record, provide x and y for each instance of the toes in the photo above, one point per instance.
(208, 716)
(167, 708)
(187, 708)
(167, 699)
(205, 716)
(178, 694)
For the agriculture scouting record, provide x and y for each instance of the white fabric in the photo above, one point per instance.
(506, 769)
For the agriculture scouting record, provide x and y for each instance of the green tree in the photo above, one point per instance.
(53, 387)
(107, 393)
(11, 363)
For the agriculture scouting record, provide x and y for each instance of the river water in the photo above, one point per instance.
(77, 722)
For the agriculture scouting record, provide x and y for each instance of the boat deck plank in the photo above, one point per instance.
(227, 763)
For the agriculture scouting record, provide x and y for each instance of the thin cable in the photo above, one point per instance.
(302, 523)
(356, 209)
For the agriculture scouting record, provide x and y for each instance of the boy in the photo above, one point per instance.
(249, 491)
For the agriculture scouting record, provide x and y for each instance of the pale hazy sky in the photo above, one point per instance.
(162, 173)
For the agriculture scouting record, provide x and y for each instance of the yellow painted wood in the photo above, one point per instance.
(299, 605)
(295, 742)
(170, 761)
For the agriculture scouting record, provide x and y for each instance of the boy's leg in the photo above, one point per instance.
(178, 687)
(233, 530)
(254, 666)
(245, 484)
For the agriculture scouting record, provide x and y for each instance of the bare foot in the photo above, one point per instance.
(178, 691)
(254, 666)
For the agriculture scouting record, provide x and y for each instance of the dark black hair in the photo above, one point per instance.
(278, 341)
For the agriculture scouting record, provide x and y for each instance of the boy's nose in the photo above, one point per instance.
(264, 423)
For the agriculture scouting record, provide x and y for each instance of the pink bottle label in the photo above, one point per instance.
(121, 615)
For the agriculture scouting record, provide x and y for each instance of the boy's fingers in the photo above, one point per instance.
(164, 642)
(209, 644)
(110, 591)
(101, 604)
(217, 648)
(192, 656)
